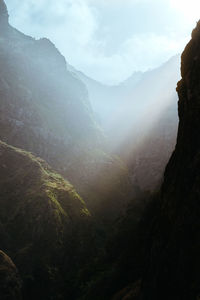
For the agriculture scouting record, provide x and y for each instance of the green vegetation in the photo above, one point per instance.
(39, 212)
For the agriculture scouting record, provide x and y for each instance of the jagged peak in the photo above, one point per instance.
(3, 12)
(196, 31)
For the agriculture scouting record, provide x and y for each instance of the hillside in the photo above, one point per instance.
(42, 220)
(45, 109)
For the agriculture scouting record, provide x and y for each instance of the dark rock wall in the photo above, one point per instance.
(172, 268)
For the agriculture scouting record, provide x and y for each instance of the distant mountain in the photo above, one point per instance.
(139, 117)
(154, 124)
(45, 109)
(106, 99)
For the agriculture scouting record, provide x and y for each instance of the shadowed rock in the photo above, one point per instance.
(10, 282)
(172, 270)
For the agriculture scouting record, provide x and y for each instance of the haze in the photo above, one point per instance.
(109, 40)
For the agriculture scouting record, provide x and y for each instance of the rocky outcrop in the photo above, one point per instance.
(10, 282)
(172, 267)
(3, 14)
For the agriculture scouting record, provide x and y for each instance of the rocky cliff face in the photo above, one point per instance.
(172, 269)
(45, 109)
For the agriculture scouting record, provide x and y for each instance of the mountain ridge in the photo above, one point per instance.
(46, 110)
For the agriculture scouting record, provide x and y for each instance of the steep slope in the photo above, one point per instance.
(172, 270)
(42, 223)
(45, 109)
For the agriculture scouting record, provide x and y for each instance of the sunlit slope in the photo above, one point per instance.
(45, 109)
(42, 220)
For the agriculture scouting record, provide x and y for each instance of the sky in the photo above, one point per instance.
(108, 40)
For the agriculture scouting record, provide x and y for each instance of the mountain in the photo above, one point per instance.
(55, 245)
(112, 103)
(144, 110)
(105, 99)
(48, 128)
(45, 109)
(173, 265)
(154, 252)
(42, 221)
(150, 125)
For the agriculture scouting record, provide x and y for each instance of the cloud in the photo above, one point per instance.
(70, 18)
(144, 51)
(106, 39)
(190, 9)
